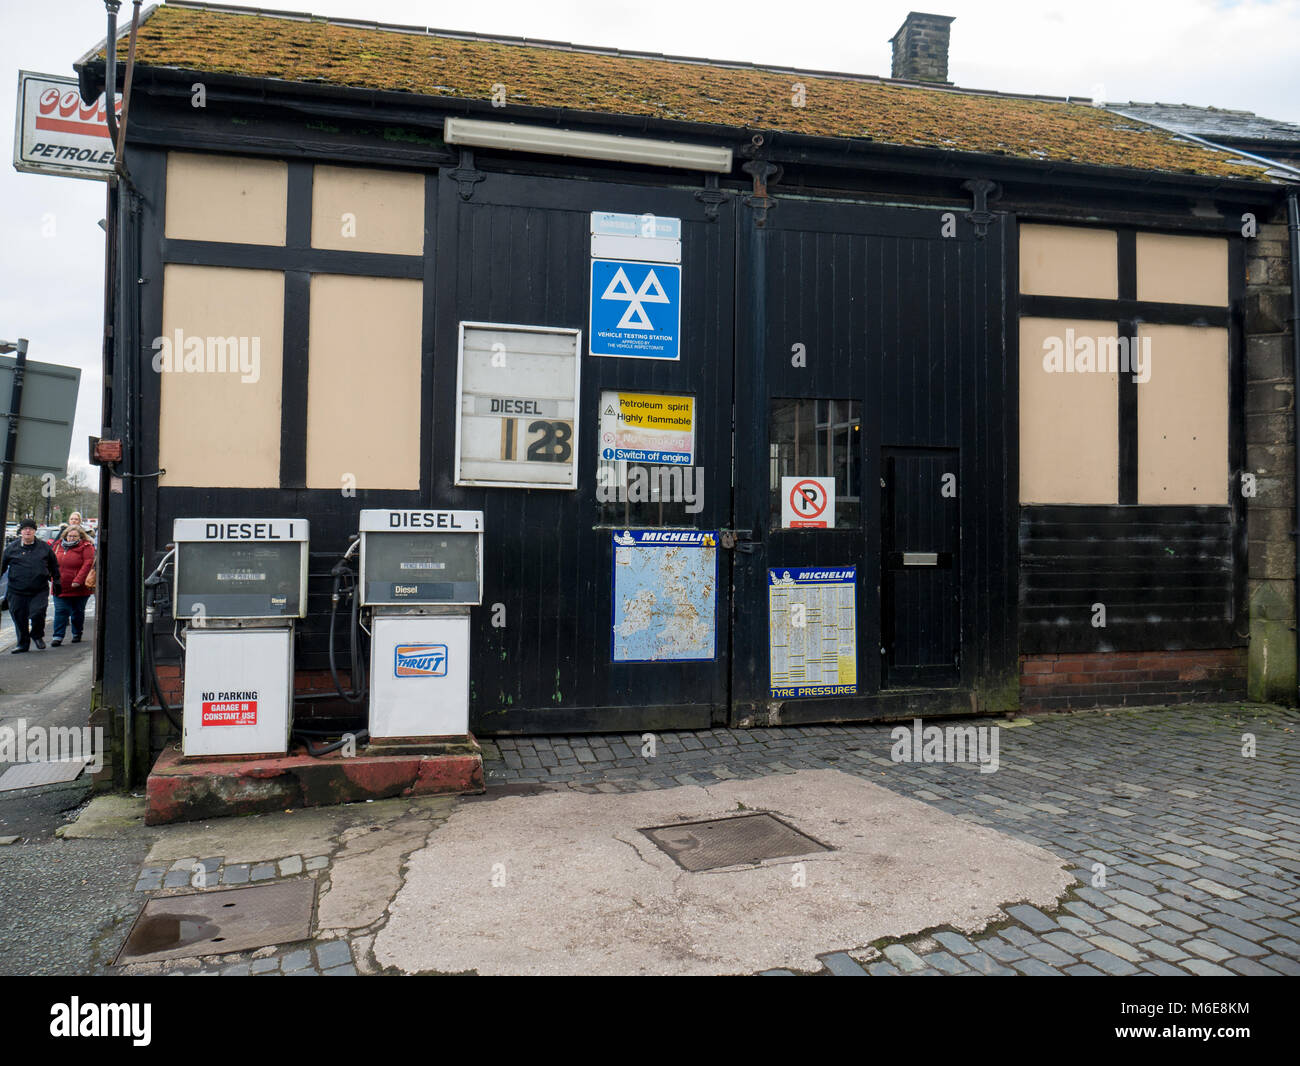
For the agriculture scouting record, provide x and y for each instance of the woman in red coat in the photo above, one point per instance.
(76, 556)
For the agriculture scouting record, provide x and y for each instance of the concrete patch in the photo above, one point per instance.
(585, 892)
(104, 817)
(367, 872)
(270, 837)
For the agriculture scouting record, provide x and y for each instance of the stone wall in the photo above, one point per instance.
(1270, 456)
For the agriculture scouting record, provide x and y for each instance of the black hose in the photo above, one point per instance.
(153, 675)
(352, 738)
(357, 694)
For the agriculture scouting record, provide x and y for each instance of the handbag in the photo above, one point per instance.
(90, 578)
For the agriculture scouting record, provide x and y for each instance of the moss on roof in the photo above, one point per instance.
(318, 51)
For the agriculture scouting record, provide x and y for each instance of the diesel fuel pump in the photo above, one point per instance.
(420, 572)
(239, 585)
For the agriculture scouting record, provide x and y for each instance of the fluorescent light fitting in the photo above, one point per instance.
(544, 140)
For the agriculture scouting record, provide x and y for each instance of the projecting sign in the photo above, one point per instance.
(55, 133)
(665, 595)
(518, 389)
(812, 631)
(635, 309)
(641, 427)
(807, 503)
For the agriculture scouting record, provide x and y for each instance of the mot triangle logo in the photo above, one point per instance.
(650, 292)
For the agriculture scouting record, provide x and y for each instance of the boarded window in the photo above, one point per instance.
(1068, 261)
(1069, 414)
(357, 210)
(1182, 270)
(219, 358)
(1183, 417)
(226, 198)
(364, 383)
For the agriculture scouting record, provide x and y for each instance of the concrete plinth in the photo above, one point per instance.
(187, 790)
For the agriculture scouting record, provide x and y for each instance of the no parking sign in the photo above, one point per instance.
(807, 503)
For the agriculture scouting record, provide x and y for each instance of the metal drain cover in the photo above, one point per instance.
(29, 775)
(220, 921)
(737, 841)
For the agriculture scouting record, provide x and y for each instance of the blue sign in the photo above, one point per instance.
(636, 309)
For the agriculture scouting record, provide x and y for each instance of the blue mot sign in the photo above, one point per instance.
(636, 309)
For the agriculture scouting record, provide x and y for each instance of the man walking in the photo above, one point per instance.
(31, 567)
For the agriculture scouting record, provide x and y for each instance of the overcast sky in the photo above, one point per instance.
(1243, 55)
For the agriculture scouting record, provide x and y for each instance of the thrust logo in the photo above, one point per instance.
(420, 660)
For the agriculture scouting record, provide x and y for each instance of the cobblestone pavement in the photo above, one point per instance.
(1186, 851)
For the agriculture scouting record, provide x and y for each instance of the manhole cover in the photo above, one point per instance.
(219, 921)
(31, 774)
(737, 841)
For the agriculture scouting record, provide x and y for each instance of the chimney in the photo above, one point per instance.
(921, 48)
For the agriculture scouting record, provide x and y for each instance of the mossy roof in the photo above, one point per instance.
(441, 65)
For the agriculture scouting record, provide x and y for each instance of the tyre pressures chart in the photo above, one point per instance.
(812, 631)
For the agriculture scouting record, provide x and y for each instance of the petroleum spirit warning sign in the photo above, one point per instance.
(55, 133)
(229, 708)
(807, 503)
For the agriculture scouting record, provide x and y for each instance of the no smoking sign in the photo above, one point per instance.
(807, 503)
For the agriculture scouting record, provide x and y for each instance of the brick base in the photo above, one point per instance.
(1131, 678)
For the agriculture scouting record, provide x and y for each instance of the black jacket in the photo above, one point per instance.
(30, 567)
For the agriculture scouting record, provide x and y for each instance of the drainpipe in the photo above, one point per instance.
(1293, 226)
(119, 155)
(110, 70)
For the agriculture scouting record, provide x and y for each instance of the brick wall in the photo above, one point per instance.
(1130, 678)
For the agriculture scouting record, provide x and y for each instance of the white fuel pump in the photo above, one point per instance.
(420, 573)
(239, 586)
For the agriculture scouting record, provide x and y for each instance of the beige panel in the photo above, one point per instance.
(1068, 261)
(1183, 416)
(1069, 421)
(367, 210)
(226, 198)
(1182, 270)
(221, 427)
(363, 383)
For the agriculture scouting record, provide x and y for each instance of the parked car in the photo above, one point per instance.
(47, 533)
